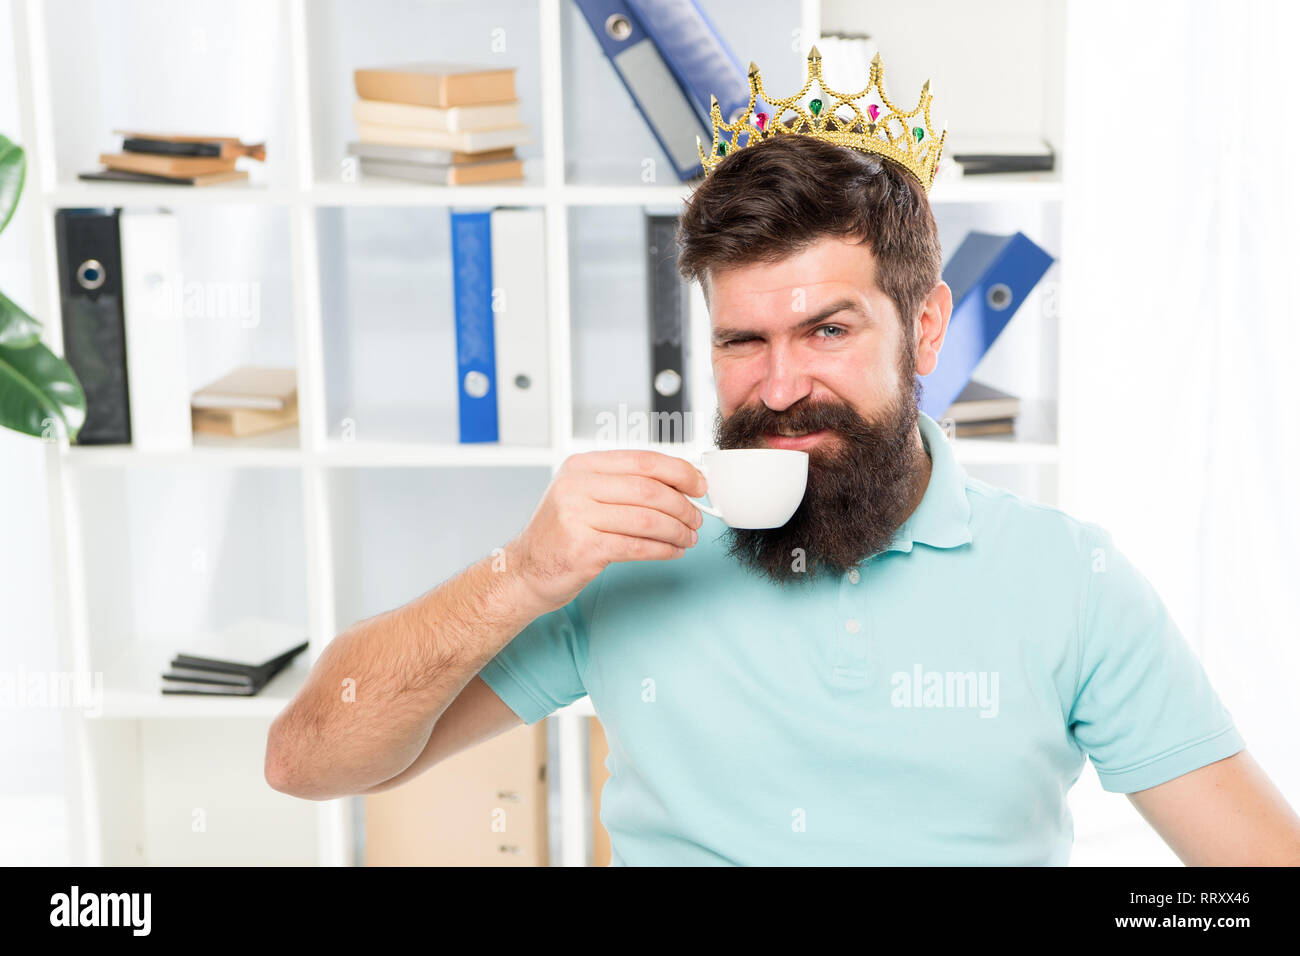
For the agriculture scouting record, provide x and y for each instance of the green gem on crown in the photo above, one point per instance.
(722, 149)
(816, 107)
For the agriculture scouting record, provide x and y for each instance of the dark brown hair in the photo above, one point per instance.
(771, 200)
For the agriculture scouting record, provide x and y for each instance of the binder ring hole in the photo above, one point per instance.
(476, 384)
(999, 296)
(618, 27)
(668, 383)
(91, 274)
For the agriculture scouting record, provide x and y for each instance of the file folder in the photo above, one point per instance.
(94, 332)
(471, 255)
(668, 330)
(990, 277)
(158, 384)
(523, 351)
(671, 61)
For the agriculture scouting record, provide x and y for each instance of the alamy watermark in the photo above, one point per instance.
(34, 690)
(128, 910)
(624, 427)
(236, 300)
(951, 689)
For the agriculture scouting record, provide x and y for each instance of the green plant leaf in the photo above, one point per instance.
(13, 167)
(18, 330)
(39, 393)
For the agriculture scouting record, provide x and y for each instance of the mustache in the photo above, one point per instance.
(750, 423)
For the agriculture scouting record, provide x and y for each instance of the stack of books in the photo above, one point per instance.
(176, 159)
(983, 410)
(238, 662)
(248, 401)
(442, 123)
(976, 156)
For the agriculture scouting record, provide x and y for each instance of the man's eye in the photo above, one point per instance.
(838, 329)
(738, 341)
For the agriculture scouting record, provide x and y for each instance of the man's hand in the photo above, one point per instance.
(606, 506)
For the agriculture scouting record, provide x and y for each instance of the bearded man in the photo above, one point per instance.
(912, 671)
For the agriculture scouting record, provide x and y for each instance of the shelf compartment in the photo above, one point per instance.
(399, 533)
(170, 551)
(192, 793)
(389, 335)
(233, 297)
(157, 65)
(132, 688)
(610, 333)
(1034, 440)
(493, 32)
(620, 150)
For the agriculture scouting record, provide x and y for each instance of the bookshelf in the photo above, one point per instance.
(323, 525)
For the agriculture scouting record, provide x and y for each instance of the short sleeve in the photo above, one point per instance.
(1144, 709)
(541, 669)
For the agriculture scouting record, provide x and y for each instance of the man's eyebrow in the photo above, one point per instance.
(840, 305)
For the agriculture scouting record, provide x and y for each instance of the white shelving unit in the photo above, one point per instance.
(113, 758)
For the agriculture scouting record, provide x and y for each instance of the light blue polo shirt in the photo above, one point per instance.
(932, 707)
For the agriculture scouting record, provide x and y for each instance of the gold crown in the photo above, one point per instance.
(904, 137)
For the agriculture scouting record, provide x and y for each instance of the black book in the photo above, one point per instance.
(1002, 153)
(126, 176)
(94, 327)
(167, 147)
(251, 651)
(187, 677)
(221, 690)
(1017, 164)
(982, 403)
(242, 666)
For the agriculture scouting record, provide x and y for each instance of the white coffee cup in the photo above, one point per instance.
(754, 487)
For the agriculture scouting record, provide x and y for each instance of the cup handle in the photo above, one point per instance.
(707, 509)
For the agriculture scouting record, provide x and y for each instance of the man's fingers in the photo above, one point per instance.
(645, 491)
(677, 472)
(629, 548)
(638, 522)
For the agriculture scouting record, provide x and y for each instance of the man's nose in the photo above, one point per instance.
(784, 381)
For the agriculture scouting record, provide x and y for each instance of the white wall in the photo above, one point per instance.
(32, 828)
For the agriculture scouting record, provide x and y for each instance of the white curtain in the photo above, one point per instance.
(1182, 238)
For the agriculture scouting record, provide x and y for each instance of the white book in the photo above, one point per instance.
(207, 676)
(157, 381)
(519, 326)
(454, 119)
(401, 154)
(269, 388)
(467, 141)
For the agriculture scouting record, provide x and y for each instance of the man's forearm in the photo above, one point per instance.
(372, 698)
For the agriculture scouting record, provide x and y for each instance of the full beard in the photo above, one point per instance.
(862, 481)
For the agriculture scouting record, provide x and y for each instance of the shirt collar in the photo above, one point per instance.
(942, 519)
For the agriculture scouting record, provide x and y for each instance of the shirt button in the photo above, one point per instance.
(851, 625)
(854, 577)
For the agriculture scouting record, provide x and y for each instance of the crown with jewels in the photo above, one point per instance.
(871, 123)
